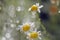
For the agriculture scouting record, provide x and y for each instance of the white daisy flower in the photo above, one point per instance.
(35, 7)
(26, 27)
(34, 35)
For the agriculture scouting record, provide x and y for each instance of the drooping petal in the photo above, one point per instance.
(41, 6)
(39, 10)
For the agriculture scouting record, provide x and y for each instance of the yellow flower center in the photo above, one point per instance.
(26, 27)
(34, 8)
(33, 35)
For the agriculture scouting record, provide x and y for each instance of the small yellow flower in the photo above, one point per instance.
(35, 7)
(26, 27)
(33, 35)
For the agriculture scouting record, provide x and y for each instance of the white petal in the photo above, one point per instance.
(39, 38)
(29, 9)
(19, 27)
(32, 24)
(39, 31)
(39, 34)
(38, 10)
(37, 4)
(41, 6)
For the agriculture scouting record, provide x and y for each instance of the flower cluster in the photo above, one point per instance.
(29, 28)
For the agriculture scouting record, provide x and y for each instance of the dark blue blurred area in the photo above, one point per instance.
(45, 0)
(44, 16)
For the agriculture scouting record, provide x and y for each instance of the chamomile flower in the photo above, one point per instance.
(34, 35)
(35, 8)
(26, 27)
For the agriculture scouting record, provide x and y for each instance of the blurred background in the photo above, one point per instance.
(12, 12)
